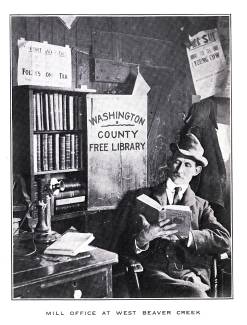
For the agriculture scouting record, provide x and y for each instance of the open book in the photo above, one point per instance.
(154, 213)
(71, 243)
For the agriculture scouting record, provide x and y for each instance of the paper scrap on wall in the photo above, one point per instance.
(207, 63)
(43, 64)
(141, 87)
(224, 35)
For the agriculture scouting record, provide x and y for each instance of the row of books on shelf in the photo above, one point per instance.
(56, 152)
(69, 201)
(55, 111)
(63, 202)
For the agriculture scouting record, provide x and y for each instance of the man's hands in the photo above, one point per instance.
(150, 232)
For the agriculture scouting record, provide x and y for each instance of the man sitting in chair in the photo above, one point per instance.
(175, 267)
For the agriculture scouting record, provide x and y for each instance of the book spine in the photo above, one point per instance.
(60, 111)
(68, 194)
(56, 111)
(62, 152)
(69, 207)
(64, 112)
(45, 152)
(47, 122)
(71, 113)
(42, 112)
(72, 186)
(67, 151)
(52, 114)
(50, 152)
(83, 254)
(35, 167)
(80, 114)
(77, 152)
(57, 151)
(38, 146)
(75, 112)
(34, 113)
(70, 200)
(38, 112)
(72, 151)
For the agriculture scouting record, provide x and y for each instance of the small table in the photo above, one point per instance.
(87, 275)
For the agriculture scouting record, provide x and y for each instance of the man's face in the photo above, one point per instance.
(182, 169)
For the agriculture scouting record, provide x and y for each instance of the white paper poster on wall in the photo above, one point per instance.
(207, 63)
(43, 64)
(117, 145)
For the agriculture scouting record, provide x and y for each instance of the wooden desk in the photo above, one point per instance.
(44, 276)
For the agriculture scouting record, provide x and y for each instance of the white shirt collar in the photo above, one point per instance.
(171, 186)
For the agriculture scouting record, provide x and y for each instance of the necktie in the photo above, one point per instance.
(176, 198)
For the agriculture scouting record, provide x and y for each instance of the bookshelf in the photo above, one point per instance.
(50, 141)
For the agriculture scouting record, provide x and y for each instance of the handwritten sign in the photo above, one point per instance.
(44, 64)
(117, 147)
(207, 63)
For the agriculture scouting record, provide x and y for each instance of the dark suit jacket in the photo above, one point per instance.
(175, 259)
(201, 121)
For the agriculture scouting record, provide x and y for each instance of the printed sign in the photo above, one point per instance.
(207, 63)
(117, 147)
(43, 64)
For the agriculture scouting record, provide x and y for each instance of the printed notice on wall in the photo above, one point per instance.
(43, 64)
(207, 63)
(117, 147)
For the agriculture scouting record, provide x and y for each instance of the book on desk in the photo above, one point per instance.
(71, 243)
(155, 213)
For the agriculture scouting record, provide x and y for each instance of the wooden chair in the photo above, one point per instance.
(220, 276)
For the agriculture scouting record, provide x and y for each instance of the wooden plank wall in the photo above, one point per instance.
(153, 43)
